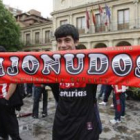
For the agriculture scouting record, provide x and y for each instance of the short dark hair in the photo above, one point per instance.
(67, 30)
(2, 49)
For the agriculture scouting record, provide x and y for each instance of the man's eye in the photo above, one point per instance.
(67, 40)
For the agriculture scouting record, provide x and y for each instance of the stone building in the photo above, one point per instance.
(13, 10)
(122, 29)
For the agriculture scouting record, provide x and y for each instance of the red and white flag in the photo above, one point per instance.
(102, 16)
(93, 17)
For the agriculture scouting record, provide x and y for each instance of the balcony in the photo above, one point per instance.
(111, 27)
(133, 25)
(123, 26)
(100, 28)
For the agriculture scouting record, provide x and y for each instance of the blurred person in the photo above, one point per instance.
(39, 89)
(8, 120)
(119, 103)
(102, 91)
(107, 91)
(29, 89)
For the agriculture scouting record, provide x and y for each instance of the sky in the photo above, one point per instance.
(44, 6)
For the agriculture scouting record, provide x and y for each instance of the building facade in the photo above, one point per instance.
(121, 29)
(37, 37)
(12, 10)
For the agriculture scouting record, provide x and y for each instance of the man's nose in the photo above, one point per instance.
(63, 45)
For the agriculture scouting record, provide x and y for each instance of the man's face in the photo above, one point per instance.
(66, 43)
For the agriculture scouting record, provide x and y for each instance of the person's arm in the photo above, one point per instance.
(55, 90)
(12, 88)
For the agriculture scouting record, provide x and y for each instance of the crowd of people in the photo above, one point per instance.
(76, 117)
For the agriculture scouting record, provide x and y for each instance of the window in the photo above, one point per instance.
(81, 24)
(37, 37)
(47, 36)
(62, 22)
(100, 27)
(123, 19)
(27, 39)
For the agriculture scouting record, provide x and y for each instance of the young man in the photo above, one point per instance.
(8, 120)
(77, 117)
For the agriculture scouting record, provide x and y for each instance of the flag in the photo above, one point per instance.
(87, 18)
(108, 14)
(101, 12)
(102, 16)
(93, 17)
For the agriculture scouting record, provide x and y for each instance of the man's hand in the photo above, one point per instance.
(6, 98)
(12, 88)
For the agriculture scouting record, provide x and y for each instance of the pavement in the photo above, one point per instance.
(41, 128)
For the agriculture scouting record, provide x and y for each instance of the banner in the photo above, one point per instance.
(114, 65)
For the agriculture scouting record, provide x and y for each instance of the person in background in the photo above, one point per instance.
(8, 120)
(107, 89)
(39, 89)
(119, 103)
(29, 89)
(77, 116)
(102, 91)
